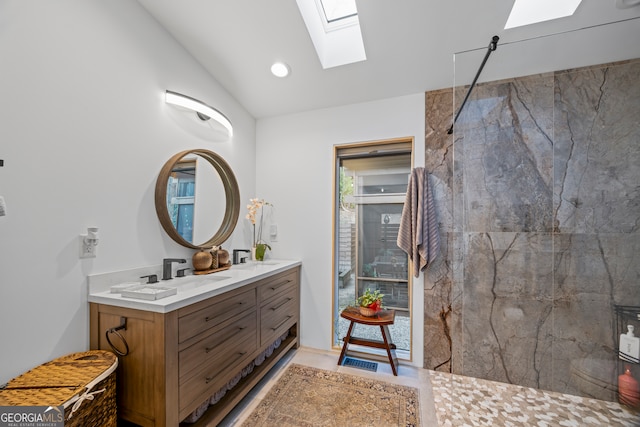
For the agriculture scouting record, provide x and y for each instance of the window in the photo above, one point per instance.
(181, 198)
(334, 28)
(338, 10)
(526, 12)
(371, 183)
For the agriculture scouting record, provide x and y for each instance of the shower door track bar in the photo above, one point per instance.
(493, 45)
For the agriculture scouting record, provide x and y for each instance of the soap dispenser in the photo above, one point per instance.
(630, 346)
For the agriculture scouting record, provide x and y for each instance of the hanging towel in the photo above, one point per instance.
(418, 234)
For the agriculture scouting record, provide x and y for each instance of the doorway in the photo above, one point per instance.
(371, 183)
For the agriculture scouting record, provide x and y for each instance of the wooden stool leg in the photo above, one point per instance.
(346, 343)
(391, 354)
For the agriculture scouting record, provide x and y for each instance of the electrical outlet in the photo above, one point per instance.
(86, 250)
(273, 233)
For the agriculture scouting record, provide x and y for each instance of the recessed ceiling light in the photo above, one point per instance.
(280, 69)
(525, 12)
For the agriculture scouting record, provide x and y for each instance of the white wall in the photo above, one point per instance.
(294, 172)
(84, 131)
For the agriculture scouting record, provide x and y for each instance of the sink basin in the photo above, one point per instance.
(253, 265)
(192, 282)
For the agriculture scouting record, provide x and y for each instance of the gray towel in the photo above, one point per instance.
(418, 235)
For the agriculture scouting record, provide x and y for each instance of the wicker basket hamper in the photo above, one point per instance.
(84, 383)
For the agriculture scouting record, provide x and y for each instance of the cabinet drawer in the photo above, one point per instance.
(277, 315)
(197, 355)
(277, 285)
(223, 363)
(214, 314)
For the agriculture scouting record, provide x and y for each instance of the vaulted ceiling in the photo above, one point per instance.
(410, 47)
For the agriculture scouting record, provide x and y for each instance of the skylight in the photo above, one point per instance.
(335, 10)
(335, 31)
(526, 12)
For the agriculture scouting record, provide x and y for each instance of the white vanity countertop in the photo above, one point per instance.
(191, 289)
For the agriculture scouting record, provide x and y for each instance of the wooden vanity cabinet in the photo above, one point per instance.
(179, 359)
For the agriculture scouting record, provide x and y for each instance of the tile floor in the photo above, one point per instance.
(451, 400)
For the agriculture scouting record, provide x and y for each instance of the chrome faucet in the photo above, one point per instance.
(166, 266)
(236, 256)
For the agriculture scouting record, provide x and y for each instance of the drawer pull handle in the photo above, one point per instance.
(281, 304)
(273, 288)
(281, 323)
(208, 349)
(208, 318)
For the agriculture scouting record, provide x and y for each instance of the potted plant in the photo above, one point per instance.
(370, 302)
(259, 246)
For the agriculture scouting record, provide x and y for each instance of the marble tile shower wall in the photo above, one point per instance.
(539, 210)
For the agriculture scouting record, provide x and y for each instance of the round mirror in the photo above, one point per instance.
(197, 199)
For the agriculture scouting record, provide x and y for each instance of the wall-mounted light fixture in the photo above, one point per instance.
(203, 111)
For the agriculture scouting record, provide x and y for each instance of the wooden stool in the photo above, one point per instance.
(383, 318)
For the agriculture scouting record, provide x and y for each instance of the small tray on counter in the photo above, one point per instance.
(149, 292)
(213, 270)
(117, 289)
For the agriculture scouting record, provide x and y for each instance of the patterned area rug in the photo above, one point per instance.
(466, 401)
(305, 396)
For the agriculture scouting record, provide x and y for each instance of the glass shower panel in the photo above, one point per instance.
(543, 205)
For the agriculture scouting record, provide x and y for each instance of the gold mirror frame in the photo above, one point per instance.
(231, 190)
